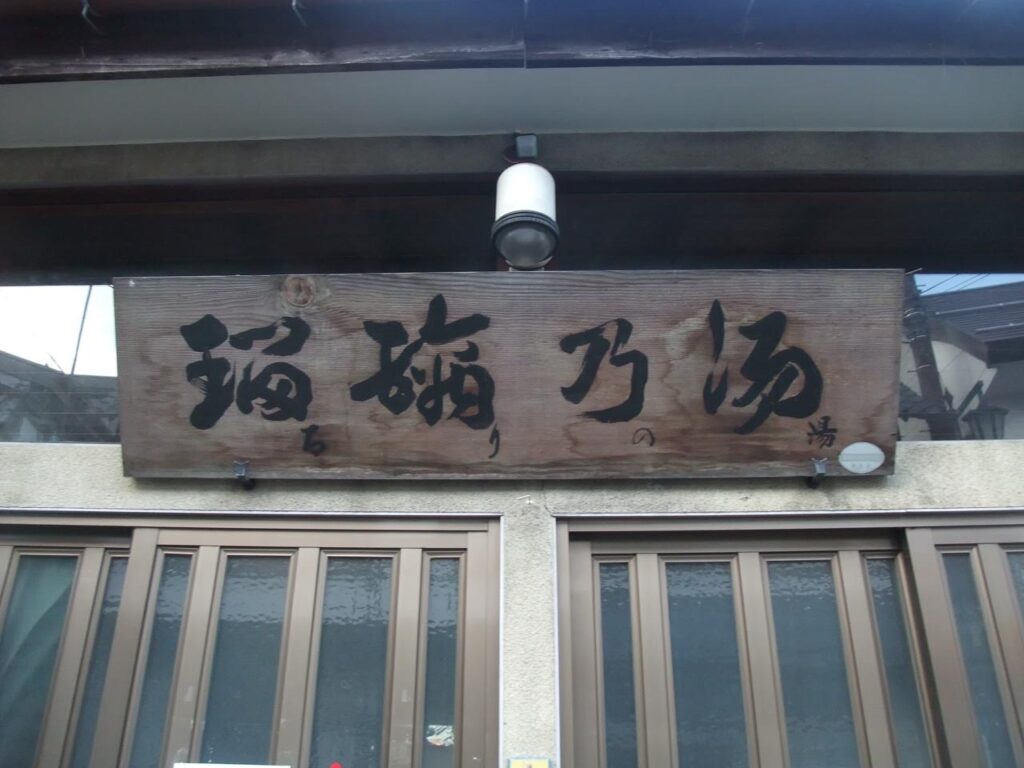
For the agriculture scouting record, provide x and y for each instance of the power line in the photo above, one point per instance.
(941, 282)
(970, 281)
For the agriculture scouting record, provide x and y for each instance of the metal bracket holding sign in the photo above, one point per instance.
(509, 375)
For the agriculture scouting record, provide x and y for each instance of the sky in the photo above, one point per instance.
(41, 323)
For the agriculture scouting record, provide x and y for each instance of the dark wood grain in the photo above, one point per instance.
(847, 321)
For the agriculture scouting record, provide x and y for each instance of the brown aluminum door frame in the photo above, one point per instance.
(412, 545)
(475, 541)
(1004, 628)
(845, 551)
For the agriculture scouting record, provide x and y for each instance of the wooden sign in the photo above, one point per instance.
(508, 374)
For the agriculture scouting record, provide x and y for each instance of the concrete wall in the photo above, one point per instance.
(929, 476)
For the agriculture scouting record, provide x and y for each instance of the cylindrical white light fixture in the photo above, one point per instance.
(525, 230)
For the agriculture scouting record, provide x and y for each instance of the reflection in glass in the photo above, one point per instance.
(904, 700)
(160, 659)
(815, 692)
(710, 724)
(439, 732)
(348, 718)
(90, 707)
(243, 684)
(29, 641)
(617, 666)
(981, 673)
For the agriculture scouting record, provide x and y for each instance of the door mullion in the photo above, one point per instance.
(124, 649)
(291, 710)
(657, 725)
(587, 720)
(1008, 630)
(937, 624)
(6, 554)
(406, 633)
(474, 654)
(769, 724)
(869, 681)
(184, 728)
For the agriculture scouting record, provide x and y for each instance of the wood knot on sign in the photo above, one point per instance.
(298, 290)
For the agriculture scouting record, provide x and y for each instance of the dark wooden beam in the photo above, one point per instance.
(671, 160)
(793, 222)
(486, 33)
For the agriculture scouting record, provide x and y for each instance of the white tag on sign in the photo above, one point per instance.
(861, 458)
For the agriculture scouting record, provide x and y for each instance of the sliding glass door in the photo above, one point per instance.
(374, 646)
(718, 653)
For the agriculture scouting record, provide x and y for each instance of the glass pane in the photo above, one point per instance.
(90, 707)
(904, 701)
(1017, 574)
(439, 733)
(979, 401)
(617, 667)
(812, 665)
(243, 684)
(981, 673)
(348, 720)
(58, 364)
(160, 659)
(710, 722)
(31, 636)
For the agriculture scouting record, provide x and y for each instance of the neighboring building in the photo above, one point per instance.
(978, 340)
(39, 404)
(471, 623)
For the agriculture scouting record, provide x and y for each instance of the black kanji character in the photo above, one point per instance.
(714, 394)
(824, 433)
(283, 391)
(597, 347)
(298, 332)
(395, 381)
(780, 369)
(210, 374)
(310, 444)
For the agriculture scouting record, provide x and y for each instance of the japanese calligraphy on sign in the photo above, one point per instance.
(550, 375)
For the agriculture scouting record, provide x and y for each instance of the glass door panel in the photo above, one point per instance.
(99, 659)
(812, 665)
(905, 702)
(1016, 561)
(710, 716)
(440, 740)
(33, 625)
(165, 626)
(620, 727)
(351, 671)
(242, 694)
